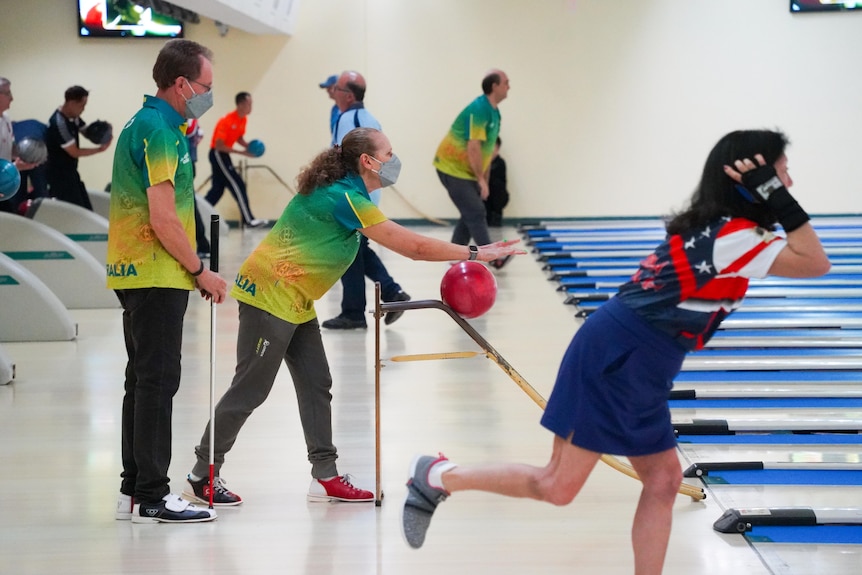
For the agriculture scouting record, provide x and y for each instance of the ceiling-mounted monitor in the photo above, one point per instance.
(823, 5)
(124, 19)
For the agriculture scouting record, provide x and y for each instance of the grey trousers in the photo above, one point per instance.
(466, 197)
(262, 343)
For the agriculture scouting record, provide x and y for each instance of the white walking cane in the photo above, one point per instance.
(214, 233)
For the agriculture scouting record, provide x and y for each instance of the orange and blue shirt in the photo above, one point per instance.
(151, 149)
(308, 249)
(693, 281)
(478, 121)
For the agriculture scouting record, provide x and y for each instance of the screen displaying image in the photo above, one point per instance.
(823, 5)
(124, 18)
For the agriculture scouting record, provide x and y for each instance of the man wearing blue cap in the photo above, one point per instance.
(329, 86)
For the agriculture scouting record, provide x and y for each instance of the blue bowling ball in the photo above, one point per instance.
(256, 148)
(10, 180)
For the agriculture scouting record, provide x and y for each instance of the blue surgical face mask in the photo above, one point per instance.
(197, 105)
(388, 171)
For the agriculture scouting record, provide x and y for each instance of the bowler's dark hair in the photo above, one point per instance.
(241, 97)
(177, 58)
(76, 94)
(489, 81)
(336, 162)
(716, 195)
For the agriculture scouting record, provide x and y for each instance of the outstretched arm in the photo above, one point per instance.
(418, 247)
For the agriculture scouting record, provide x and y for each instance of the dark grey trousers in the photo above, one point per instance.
(263, 342)
(465, 196)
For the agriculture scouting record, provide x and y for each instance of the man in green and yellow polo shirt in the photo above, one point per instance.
(464, 156)
(153, 265)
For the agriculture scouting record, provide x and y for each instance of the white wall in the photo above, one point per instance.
(613, 108)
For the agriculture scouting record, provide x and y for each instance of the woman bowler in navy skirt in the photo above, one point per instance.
(612, 388)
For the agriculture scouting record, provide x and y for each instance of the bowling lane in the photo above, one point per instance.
(828, 455)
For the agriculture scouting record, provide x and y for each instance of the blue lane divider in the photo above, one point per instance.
(767, 403)
(595, 245)
(776, 352)
(558, 257)
(593, 281)
(753, 291)
(592, 243)
(775, 439)
(813, 333)
(785, 315)
(593, 262)
(822, 534)
(847, 280)
(800, 376)
(784, 477)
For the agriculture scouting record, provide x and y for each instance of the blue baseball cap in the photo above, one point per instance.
(329, 82)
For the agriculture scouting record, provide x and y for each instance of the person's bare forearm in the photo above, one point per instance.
(474, 158)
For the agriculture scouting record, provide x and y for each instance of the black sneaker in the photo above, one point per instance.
(392, 316)
(200, 491)
(171, 509)
(342, 322)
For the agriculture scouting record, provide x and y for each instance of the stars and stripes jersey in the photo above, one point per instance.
(692, 281)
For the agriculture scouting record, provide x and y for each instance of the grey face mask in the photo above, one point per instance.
(388, 171)
(197, 105)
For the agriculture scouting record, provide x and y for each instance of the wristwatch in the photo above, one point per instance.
(474, 253)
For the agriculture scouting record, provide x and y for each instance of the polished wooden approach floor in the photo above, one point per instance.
(60, 462)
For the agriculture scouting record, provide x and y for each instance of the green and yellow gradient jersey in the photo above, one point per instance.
(478, 121)
(151, 149)
(308, 249)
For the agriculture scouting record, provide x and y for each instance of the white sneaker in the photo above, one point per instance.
(256, 223)
(125, 503)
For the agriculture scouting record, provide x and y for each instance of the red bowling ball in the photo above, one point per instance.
(469, 288)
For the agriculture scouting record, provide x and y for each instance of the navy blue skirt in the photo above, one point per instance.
(612, 389)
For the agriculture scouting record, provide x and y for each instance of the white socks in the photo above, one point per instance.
(435, 474)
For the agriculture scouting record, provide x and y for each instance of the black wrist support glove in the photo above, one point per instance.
(765, 186)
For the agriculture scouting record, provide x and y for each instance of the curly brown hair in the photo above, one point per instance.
(334, 163)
